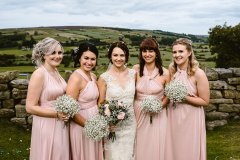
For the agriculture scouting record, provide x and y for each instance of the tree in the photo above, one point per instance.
(224, 40)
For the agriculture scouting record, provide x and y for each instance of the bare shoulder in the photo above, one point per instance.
(94, 76)
(136, 67)
(38, 74)
(165, 71)
(199, 73)
(103, 76)
(75, 78)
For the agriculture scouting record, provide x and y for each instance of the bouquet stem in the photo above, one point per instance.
(174, 104)
(151, 119)
(112, 136)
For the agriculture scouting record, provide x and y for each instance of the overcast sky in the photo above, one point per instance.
(180, 16)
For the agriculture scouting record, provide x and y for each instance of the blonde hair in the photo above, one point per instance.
(192, 63)
(42, 48)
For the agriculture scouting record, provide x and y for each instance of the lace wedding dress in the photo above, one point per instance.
(122, 148)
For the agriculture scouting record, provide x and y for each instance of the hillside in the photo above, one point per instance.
(16, 44)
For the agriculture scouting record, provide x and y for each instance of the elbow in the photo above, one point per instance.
(29, 109)
(205, 104)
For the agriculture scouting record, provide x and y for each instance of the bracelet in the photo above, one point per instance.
(57, 115)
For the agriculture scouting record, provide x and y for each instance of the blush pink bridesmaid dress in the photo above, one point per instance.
(50, 136)
(150, 138)
(83, 148)
(186, 133)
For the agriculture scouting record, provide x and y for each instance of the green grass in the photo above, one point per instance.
(14, 141)
(222, 143)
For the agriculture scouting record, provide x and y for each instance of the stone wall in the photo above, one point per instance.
(224, 102)
(13, 92)
(225, 96)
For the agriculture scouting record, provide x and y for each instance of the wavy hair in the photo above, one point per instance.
(192, 63)
(44, 47)
(150, 44)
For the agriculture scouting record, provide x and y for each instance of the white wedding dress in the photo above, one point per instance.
(123, 147)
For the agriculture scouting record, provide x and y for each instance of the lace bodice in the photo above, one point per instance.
(116, 92)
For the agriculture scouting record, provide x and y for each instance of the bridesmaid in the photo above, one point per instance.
(82, 86)
(151, 79)
(50, 139)
(186, 134)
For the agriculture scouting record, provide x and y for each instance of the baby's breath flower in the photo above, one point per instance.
(151, 104)
(96, 128)
(67, 105)
(176, 91)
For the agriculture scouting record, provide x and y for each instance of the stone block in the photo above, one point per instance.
(30, 119)
(218, 85)
(211, 74)
(216, 116)
(234, 80)
(223, 73)
(237, 95)
(19, 83)
(213, 124)
(7, 113)
(214, 94)
(3, 87)
(19, 94)
(221, 101)
(8, 76)
(236, 71)
(19, 121)
(229, 107)
(229, 94)
(21, 111)
(4, 94)
(8, 103)
(238, 87)
(210, 107)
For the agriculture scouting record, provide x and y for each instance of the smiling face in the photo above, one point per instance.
(181, 55)
(55, 58)
(88, 61)
(118, 57)
(149, 56)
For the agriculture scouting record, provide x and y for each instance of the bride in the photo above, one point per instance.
(118, 83)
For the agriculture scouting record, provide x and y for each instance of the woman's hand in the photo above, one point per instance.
(62, 116)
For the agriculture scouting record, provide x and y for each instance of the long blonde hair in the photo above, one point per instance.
(192, 63)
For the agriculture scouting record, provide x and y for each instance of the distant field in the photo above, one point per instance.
(100, 35)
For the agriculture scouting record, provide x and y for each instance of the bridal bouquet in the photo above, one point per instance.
(96, 128)
(114, 111)
(151, 104)
(67, 105)
(176, 91)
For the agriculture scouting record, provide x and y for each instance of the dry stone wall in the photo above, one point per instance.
(224, 102)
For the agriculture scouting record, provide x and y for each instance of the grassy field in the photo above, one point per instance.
(222, 143)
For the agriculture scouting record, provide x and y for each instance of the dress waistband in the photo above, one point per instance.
(87, 105)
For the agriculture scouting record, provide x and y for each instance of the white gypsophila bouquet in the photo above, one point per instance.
(151, 105)
(96, 128)
(67, 105)
(176, 91)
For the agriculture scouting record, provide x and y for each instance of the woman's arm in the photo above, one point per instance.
(202, 90)
(102, 87)
(166, 76)
(35, 88)
(74, 87)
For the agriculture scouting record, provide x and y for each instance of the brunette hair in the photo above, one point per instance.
(119, 44)
(150, 44)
